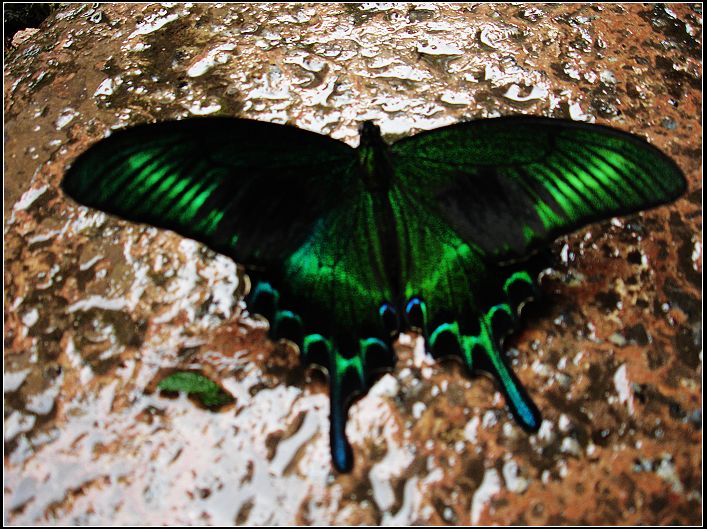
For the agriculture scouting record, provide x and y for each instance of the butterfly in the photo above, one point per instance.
(347, 247)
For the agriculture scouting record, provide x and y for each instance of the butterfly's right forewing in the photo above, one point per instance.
(512, 185)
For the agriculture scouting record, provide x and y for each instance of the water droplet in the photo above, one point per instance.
(439, 48)
(536, 93)
(376, 6)
(532, 14)
(607, 77)
(215, 56)
(571, 71)
(306, 61)
(153, 23)
(575, 113)
(456, 98)
(32, 151)
(404, 72)
(105, 88)
(669, 123)
(66, 116)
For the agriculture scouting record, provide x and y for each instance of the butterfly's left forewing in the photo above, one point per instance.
(217, 180)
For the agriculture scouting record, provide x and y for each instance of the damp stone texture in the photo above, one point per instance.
(96, 309)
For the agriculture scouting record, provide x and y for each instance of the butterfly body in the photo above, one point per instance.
(439, 232)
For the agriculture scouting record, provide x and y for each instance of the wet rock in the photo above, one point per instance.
(95, 307)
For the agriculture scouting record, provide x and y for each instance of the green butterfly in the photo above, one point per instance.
(348, 247)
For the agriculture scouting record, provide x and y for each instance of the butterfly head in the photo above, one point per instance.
(370, 134)
(374, 158)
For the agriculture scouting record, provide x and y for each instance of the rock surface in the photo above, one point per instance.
(96, 308)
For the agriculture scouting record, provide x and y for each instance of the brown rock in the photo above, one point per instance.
(95, 307)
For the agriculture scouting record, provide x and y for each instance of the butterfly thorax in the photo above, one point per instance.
(375, 168)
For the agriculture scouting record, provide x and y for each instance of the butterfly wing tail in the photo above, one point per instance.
(350, 375)
(499, 321)
(352, 363)
(478, 343)
(346, 379)
(483, 352)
